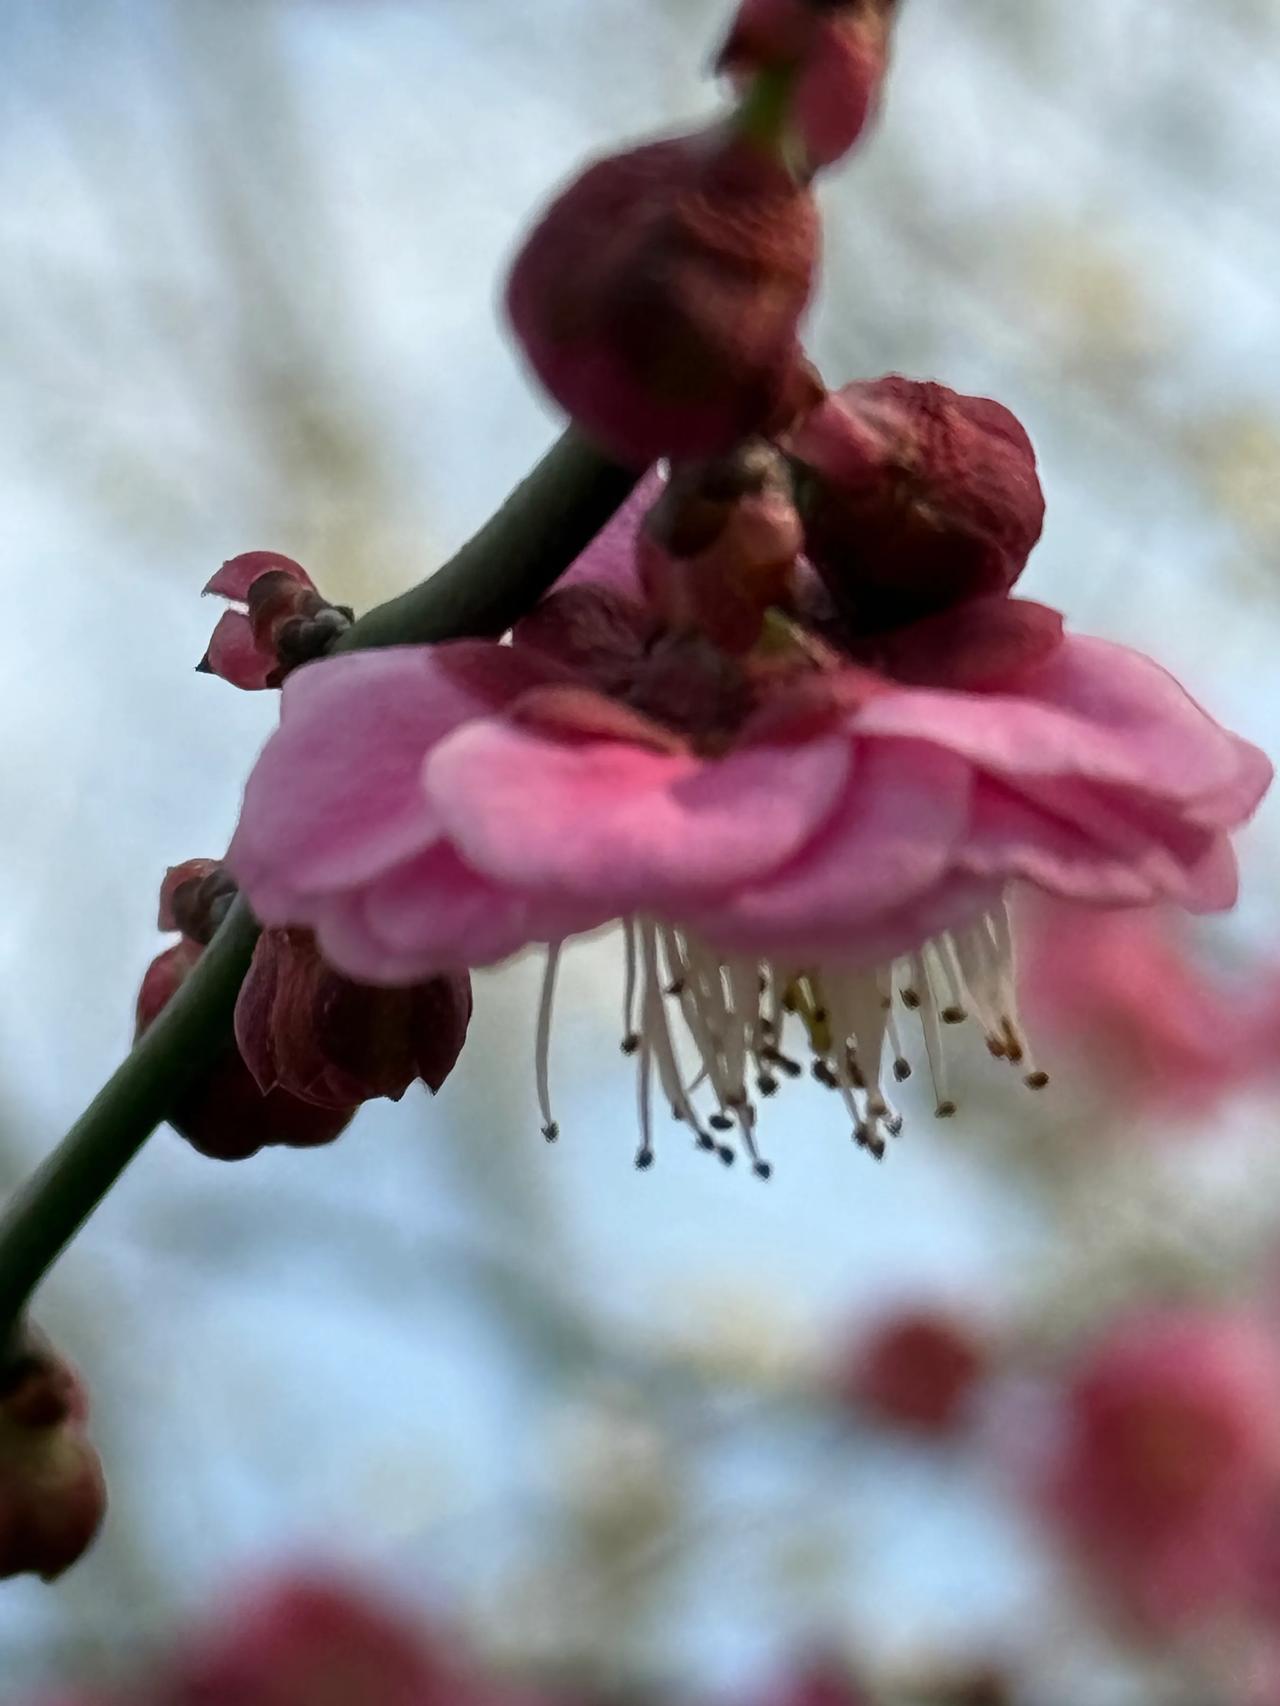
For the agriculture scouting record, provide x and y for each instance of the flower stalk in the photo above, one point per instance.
(494, 579)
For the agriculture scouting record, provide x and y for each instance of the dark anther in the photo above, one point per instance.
(1036, 1080)
(910, 999)
(551, 1132)
(945, 1110)
(630, 1043)
(954, 1015)
(676, 986)
(644, 1160)
(901, 1069)
(894, 1126)
(706, 1142)
(767, 1084)
(763, 1170)
(726, 1155)
(825, 1076)
(720, 1122)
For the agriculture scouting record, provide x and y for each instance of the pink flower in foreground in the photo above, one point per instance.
(1170, 1448)
(785, 832)
(285, 621)
(315, 1642)
(917, 1370)
(1150, 1018)
(658, 298)
(838, 52)
(52, 1494)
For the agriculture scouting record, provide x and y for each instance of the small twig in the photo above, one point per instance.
(492, 580)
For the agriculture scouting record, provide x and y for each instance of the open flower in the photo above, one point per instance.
(789, 832)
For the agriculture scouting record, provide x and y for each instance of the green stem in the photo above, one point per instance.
(492, 580)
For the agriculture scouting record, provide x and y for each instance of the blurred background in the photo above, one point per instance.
(625, 1436)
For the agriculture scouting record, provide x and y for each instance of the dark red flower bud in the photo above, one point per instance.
(305, 1029)
(659, 296)
(917, 1370)
(52, 1493)
(195, 897)
(224, 1114)
(838, 51)
(285, 623)
(920, 499)
(718, 547)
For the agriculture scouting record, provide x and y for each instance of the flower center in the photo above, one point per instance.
(687, 1006)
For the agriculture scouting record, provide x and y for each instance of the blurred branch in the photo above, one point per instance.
(499, 574)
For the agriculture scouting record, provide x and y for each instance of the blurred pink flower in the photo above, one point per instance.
(1168, 1459)
(1151, 1020)
(820, 1680)
(285, 621)
(839, 53)
(52, 1493)
(659, 296)
(783, 831)
(315, 1641)
(916, 1369)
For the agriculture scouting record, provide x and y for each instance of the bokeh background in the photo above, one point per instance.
(250, 258)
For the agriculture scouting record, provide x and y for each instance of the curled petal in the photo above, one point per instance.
(235, 655)
(238, 574)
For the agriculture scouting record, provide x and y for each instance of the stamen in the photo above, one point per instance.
(630, 1041)
(542, 1043)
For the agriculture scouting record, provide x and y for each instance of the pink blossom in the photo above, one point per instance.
(1150, 1017)
(52, 1493)
(285, 621)
(917, 1369)
(658, 298)
(792, 831)
(299, 1641)
(838, 53)
(1169, 1451)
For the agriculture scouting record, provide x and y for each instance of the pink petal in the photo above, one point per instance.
(233, 654)
(1011, 836)
(336, 797)
(1093, 710)
(610, 559)
(633, 827)
(438, 913)
(891, 839)
(238, 574)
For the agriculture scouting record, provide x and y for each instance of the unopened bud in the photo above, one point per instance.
(285, 621)
(52, 1493)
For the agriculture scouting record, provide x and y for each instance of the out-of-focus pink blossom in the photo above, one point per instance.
(285, 621)
(52, 1493)
(919, 499)
(1168, 1458)
(658, 298)
(837, 51)
(315, 1641)
(790, 830)
(1149, 1017)
(917, 1369)
(820, 1680)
